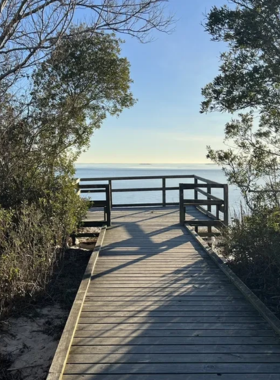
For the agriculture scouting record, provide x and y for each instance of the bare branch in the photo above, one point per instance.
(30, 29)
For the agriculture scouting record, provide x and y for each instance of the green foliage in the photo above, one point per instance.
(248, 86)
(32, 238)
(252, 248)
(249, 81)
(84, 80)
(42, 134)
(256, 239)
(249, 73)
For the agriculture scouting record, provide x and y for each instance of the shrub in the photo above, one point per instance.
(251, 245)
(32, 237)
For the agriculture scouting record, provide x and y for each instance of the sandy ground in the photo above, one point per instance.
(30, 342)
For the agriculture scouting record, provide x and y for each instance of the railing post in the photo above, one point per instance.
(226, 213)
(195, 191)
(209, 207)
(163, 192)
(109, 205)
(218, 212)
(196, 197)
(182, 207)
(110, 192)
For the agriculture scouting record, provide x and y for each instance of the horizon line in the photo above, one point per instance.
(147, 163)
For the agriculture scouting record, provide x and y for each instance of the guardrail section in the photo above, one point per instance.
(105, 204)
(205, 204)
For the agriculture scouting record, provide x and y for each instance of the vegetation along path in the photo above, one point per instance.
(158, 308)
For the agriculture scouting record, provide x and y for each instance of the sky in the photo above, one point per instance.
(165, 125)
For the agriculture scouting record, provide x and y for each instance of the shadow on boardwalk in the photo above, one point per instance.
(159, 309)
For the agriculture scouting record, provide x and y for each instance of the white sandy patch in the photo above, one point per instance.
(30, 343)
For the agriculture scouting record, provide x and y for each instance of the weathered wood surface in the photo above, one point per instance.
(167, 215)
(158, 308)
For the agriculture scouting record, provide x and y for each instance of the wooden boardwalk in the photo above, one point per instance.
(158, 308)
(125, 214)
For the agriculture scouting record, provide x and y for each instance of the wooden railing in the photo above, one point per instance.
(200, 186)
(105, 204)
(206, 204)
(163, 189)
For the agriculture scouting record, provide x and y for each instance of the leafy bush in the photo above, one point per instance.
(43, 130)
(32, 237)
(251, 245)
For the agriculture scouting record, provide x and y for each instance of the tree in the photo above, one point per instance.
(58, 81)
(248, 85)
(82, 81)
(30, 29)
(34, 42)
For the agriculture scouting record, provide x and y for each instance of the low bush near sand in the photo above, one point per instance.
(33, 237)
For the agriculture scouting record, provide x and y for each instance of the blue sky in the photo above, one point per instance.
(165, 125)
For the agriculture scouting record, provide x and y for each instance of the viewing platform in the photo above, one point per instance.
(198, 206)
(157, 304)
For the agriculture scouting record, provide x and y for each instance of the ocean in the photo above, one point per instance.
(208, 171)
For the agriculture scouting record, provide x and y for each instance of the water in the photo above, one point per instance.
(207, 171)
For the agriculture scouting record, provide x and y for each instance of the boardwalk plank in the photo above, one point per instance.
(157, 276)
(175, 326)
(197, 340)
(162, 292)
(161, 285)
(167, 300)
(150, 332)
(170, 368)
(159, 281)
(88, 317)
(173, 377)
(81, 332)
(148, 307)
(89, 312)
(173, 358)
(176, 349)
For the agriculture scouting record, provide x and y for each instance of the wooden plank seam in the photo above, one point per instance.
(60, 358)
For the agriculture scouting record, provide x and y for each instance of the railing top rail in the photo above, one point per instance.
(205, 180)
(136, 178)
(96, 186)
(190, 186)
